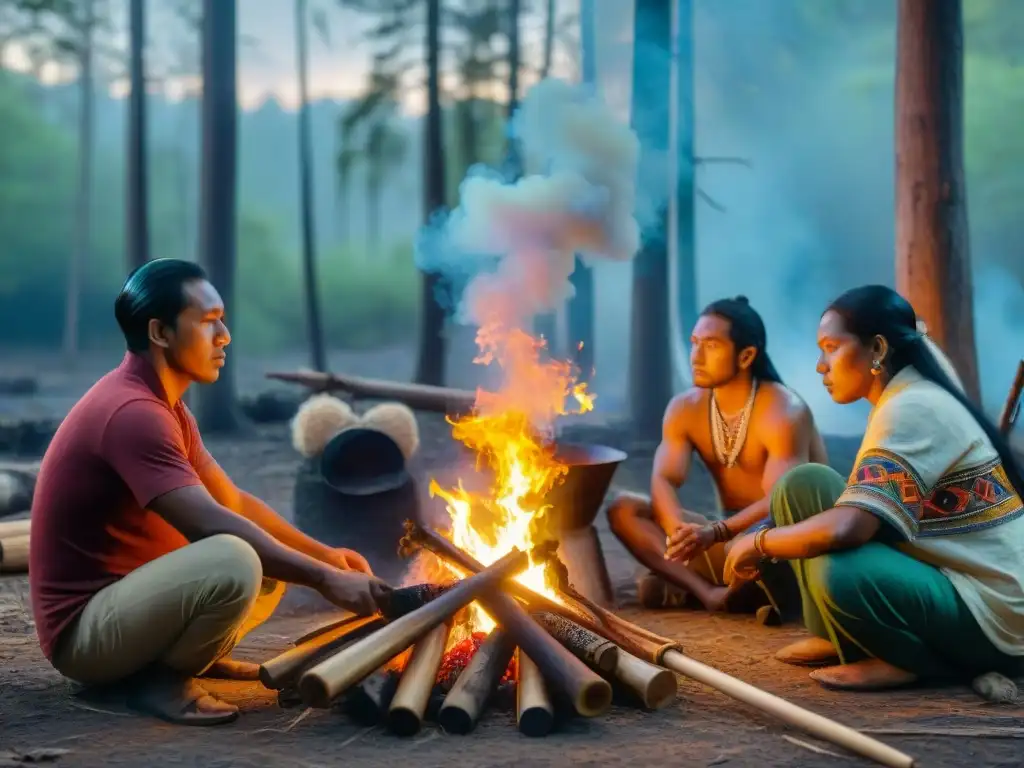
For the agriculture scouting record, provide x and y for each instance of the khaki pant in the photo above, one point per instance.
(184, 610)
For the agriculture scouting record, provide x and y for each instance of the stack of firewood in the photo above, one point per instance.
(567, 657)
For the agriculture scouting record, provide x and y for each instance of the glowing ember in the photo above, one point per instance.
(458, 656)
(511, 430)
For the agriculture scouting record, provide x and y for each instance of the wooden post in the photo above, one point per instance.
(933, 261)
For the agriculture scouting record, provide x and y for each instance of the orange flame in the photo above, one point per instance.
(511, 431)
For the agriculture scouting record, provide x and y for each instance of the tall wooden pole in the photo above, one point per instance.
(307, 199)
(136, 188)
(933, 259)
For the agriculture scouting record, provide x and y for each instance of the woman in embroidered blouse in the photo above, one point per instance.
(913, 568)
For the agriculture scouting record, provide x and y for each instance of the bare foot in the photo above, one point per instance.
(867, 675)
(230, 669)
(179, 699)
(809, 652)
(656, 593)
(720, 599)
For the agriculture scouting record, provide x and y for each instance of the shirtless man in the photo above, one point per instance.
(147, 564)
(748, 429)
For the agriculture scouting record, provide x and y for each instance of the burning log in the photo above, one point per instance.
(535, 715)
(281, 671)
(590, 694)
(465, 702)
(405, 715)
(398, 602)
(320, 685)
(589, 647)
(369, 701)
(422, 397)
(14, 554)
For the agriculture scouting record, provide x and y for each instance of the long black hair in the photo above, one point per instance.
(875, 310)
(746, 329)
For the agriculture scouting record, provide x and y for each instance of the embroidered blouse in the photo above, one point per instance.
(927, 469)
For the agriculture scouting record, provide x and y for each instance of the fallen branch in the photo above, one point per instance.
(423, 397)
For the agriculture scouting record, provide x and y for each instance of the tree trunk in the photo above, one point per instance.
(430, 367)
(307, 201)
(374, 194)
(933, 263)
(83, 203)
(581, 305)
(686, 248)
(549, 39)
(218, 405)
(650, 360)
(137, 187)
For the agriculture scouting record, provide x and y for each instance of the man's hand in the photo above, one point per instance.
(353, 591)
(688, 540)
(350, 560)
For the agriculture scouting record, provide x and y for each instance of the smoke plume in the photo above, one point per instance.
(510, 246)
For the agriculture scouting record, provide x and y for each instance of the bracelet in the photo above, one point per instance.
(720, 531)
(759, 542)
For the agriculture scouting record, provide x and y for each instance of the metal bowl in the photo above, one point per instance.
(578, 498)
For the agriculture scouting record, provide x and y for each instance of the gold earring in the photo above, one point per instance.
(876, 367)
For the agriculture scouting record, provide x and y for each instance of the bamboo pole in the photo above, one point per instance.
(281, 671)
(405, 715)
(14, 554)
(535, 716)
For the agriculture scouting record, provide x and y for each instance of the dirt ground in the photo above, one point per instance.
(38, 710)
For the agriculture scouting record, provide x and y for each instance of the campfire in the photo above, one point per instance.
(491, 618)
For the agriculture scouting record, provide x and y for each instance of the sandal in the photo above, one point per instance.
(180, 700)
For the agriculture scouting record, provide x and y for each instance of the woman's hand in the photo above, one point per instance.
(741, 564)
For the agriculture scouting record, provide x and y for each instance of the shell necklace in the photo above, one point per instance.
(729, 434)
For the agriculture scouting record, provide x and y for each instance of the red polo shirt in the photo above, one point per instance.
(119, 448)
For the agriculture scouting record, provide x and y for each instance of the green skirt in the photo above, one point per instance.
(876, 601)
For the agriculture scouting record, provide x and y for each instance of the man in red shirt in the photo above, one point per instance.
(147, 563)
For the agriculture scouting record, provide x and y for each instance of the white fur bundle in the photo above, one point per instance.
(323, 416)
(398, 422)
(319, 419)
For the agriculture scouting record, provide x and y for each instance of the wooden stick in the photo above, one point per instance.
(589, 647)
(1011, 408)
(798, 717)
(405, 715)
(14, 528)
(321, 684)
(327, 627)
(282, 670)
(466, 700)
(421, 397)
(590, 694)
(14, 554)
(534, 714)
(368, 701)
(653, 686)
